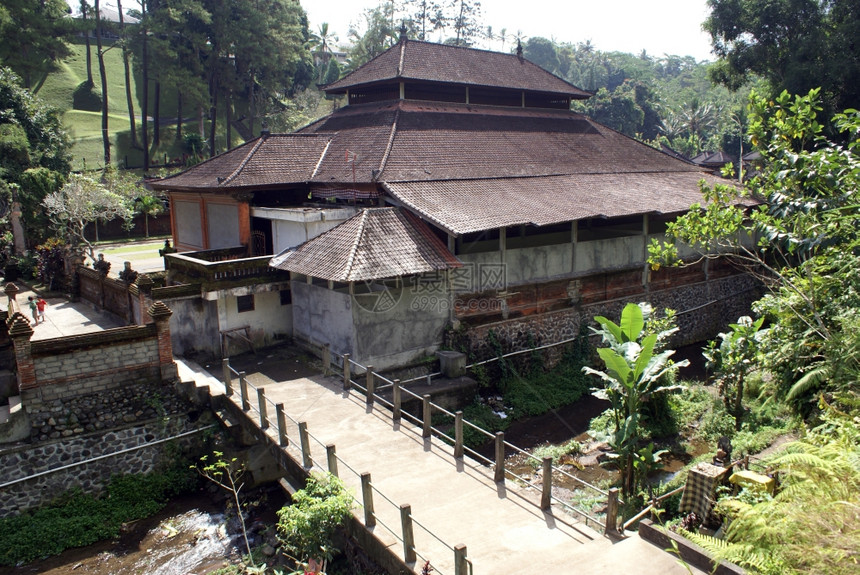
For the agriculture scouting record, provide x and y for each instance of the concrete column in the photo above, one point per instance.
(546, 493)
(160, 315)
(20, 333)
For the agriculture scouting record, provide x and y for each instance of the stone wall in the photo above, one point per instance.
(703, 309)
(23, 461)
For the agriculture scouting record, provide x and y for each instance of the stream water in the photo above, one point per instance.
(191, 536)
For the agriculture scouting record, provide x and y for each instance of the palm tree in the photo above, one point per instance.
(322, 41)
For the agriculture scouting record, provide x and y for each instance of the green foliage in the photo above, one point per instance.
(76, 519)
(796, 44)
(306, 528)
(635, 371)
(807, 246)
(34, 36)
(572, 447)
(812, 525)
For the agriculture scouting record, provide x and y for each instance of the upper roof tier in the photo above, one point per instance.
(444, 64)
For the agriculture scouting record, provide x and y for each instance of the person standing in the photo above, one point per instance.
(41, 304)
(34, 309)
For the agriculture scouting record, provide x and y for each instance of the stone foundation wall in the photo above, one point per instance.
(24, 461)
(703, 309)
(75, 415)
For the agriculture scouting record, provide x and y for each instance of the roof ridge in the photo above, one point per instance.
(402, 57)
(244, 162)
(350, 260)
(390, 144)
(322, 157)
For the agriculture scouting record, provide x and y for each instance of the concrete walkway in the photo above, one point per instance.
(454, 501)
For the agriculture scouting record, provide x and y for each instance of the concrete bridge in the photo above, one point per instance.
(418, 495)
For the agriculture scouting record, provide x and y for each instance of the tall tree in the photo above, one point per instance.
(373, 38)
(129, 100)
(103, 75)
(465, 17)
(34, 36)
(796, 44)
(85, 8)
(428, 17)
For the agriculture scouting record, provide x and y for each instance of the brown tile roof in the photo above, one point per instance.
(376, 243)
(474, 205)
(407, 140)
(265, 161)
(427, 61)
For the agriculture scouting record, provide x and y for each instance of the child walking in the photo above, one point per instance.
(34, 309)
(40, 306)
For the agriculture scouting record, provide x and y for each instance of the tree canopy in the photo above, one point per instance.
(34, 36)
(796, 45)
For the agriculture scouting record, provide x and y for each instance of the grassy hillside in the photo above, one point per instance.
(84, 126)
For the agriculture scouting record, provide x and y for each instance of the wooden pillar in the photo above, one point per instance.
(243, 391)
(408, 535)
(425, 408)
(261, 404)
(396, 400)
(458, 435)
(305, 441)
(499, 471)
(347, 372)
(611, 527)
(461, 565)
(282, 425)
(546, 494)
(331, 457)
(367, 499)
(371, 385)
(228, 377)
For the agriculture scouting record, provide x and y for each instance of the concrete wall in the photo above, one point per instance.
(268, 321)
(526, 265)
(389, 336)
(194, 326)
(322, 315)
(609, 253)
(294, 226)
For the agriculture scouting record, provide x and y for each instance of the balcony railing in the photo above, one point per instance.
(220, 269)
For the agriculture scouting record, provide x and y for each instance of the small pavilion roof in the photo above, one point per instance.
(376, 243)
(270, 160)
(431, 62)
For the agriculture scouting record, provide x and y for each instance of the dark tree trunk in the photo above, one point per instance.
(213, 113)
(145, 103)
(84, 8)
(103, 74)
(156, 116)
(229, 111)
(128, 99)
(178, 116)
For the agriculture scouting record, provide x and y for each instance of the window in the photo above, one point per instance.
(245, 303)
(286, 297)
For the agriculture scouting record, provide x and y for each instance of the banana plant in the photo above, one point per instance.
(635, 371)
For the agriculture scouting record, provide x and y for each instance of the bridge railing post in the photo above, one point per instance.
(331, 457)
(228, 377)
(611, 526)
(461, 565)
(305, 442)
(371, 385)
(395, 414)
(458, 434)
(347, 375)
(408, 536)
(425, 417)
(243, 388)
(499, 470)
(282, 425)
(326, 359)
(261, 403)
(367, 500)
(546, 494)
